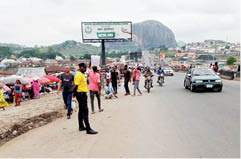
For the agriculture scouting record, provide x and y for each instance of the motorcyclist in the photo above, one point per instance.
(160, 72)
(148, 73)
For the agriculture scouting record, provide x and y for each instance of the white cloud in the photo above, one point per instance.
(45, 22)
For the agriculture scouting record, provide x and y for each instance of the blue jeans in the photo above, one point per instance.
(136, 86)
(67, 97)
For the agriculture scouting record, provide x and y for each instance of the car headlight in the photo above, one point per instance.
(198, 81)
(218, 80)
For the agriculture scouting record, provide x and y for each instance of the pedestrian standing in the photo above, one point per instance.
(211, 66)
(81, 90)
(18, 92)
(36, 89)
(114, 79)
(108, 74)
(95, 88)
(67, 83)
(137, 80)
(127, 79)
(3, 102)
(215, 67)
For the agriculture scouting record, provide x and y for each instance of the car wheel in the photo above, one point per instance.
(219, 89)
(192, 88)
(185, 85)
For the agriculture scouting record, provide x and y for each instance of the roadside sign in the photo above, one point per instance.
(108, 31)
(95, 60)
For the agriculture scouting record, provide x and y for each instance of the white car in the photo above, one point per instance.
(168, 71)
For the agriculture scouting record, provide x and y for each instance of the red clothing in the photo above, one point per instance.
(138, 74)
(17, 97)
(94, 79)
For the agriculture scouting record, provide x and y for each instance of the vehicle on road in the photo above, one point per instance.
(168, 71)
(202, 79)
(148, 84)
(160, 79)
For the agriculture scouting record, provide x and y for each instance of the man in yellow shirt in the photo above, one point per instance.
(81, 95)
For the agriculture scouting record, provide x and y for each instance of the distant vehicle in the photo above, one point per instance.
(168, 71)
(148, 83)
(161, 79)
(202, 78)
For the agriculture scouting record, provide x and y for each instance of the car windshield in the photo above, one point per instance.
(166, 68)
(203, 72)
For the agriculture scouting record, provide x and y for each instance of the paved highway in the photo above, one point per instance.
(169, 122)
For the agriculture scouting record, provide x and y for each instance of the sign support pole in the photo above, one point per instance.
(103, 52)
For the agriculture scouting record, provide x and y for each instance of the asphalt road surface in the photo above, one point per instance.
(169, 122)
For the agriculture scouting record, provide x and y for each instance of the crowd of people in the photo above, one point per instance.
(94, 80)
(90, 80)
(20, 92)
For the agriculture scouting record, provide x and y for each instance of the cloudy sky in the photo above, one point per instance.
(45, 22)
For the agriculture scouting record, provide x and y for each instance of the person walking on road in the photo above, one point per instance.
(67, 83)
(80, 92)
(114, 79)
(137, 80)
(95, 88)
(18, 92)
(127, 79)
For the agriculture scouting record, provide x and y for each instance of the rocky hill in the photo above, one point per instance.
(148, 34)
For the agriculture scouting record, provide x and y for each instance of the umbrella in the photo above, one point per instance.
(41, 80)
(44, 80)
(52, 78)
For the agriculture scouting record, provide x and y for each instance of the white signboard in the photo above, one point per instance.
(95, 60)
(146, 57)
(112, 31)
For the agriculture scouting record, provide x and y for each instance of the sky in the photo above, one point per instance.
(47, 22)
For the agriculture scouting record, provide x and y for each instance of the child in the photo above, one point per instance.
(3, 102)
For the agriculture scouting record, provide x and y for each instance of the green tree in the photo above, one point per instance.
(183, 47)
(49, 54)
(72, 58)
(29, 53)
(227, 47)
(163, 48)
(87, 56)
(231, 60)
(5, 52)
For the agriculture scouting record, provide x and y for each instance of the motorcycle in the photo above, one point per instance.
(148, 84)
(161, 79)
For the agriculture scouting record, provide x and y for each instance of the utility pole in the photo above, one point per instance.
(103, 53)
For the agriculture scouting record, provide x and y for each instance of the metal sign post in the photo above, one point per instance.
(103, 62)
(101, 32)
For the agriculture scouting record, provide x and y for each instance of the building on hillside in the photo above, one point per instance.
(49, 62)
(25, 64)
(207, 58)
(54, 69)
(59, 58)
(186, 54)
